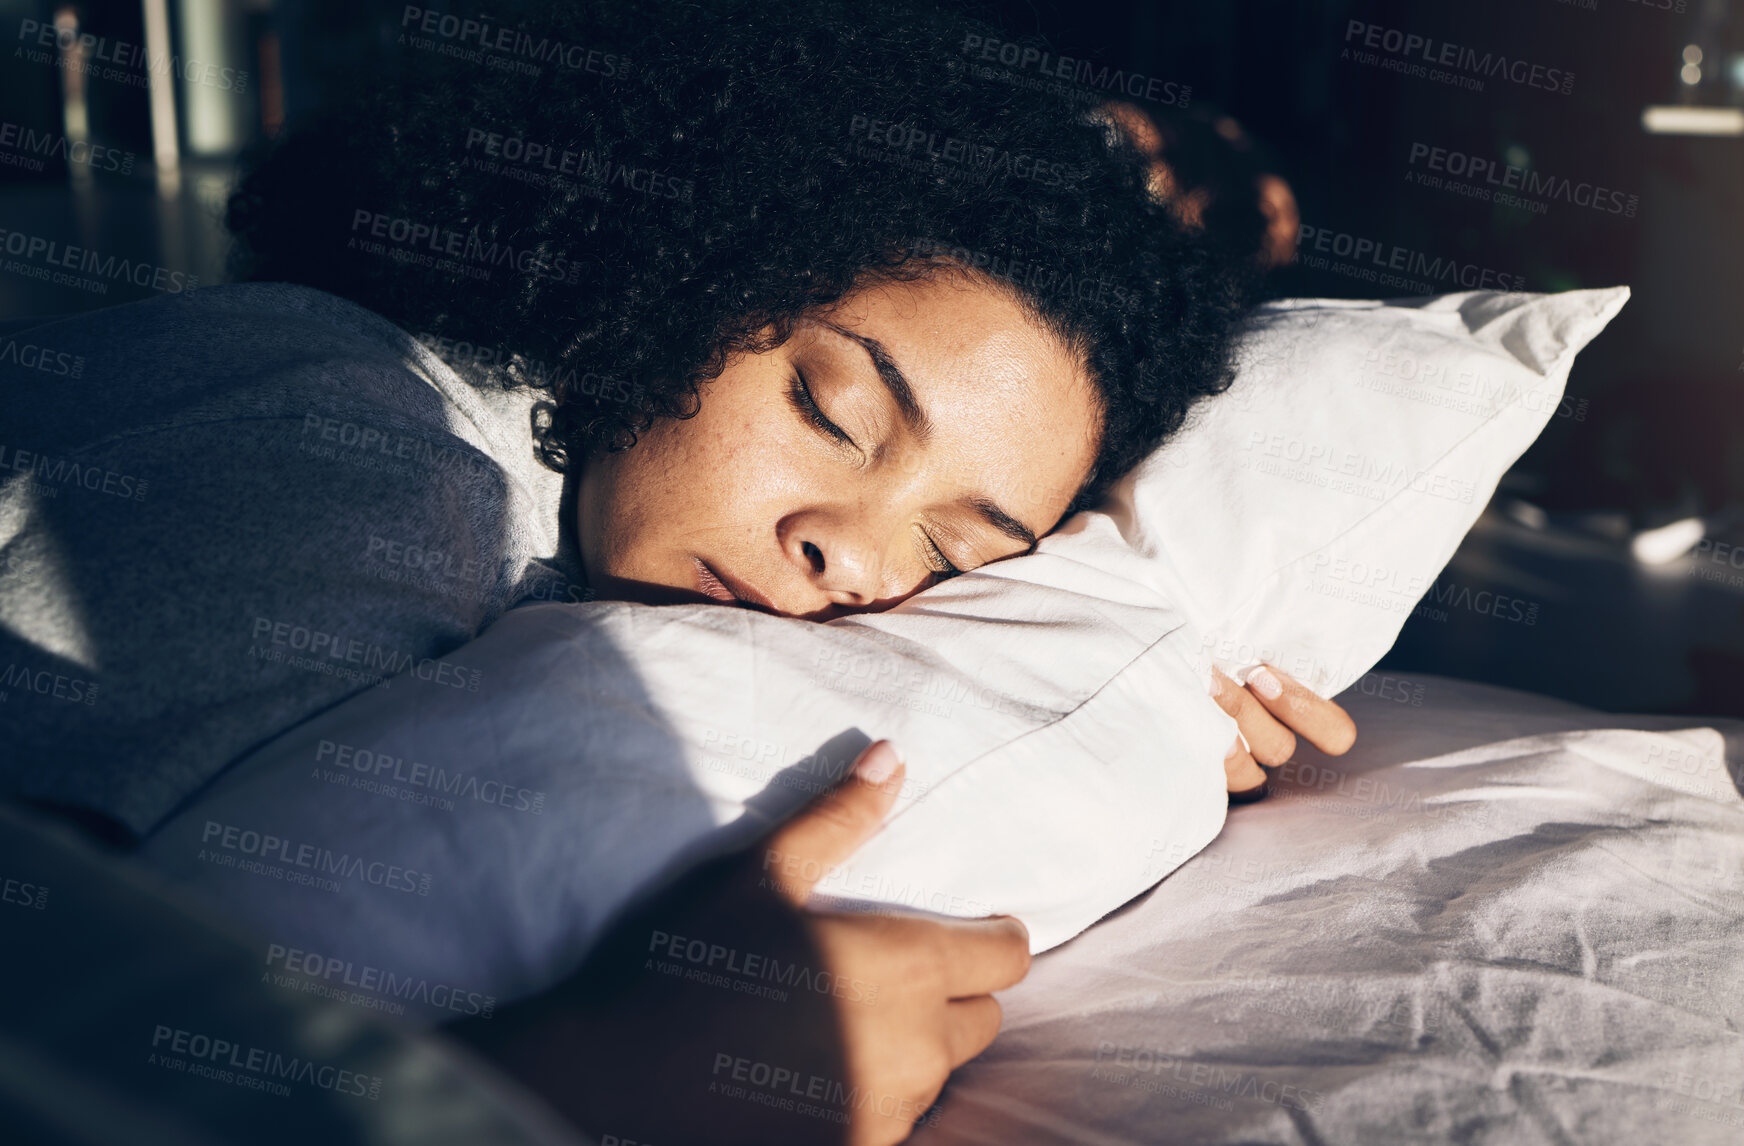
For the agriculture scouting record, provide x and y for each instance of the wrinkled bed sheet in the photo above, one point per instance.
(1499, 919)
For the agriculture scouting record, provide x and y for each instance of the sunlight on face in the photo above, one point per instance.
(913, 430)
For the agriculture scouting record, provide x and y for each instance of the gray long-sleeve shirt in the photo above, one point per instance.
(224, 511)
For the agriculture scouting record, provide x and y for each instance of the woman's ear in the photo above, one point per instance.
(1283, 220)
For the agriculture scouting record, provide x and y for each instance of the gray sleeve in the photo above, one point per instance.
(215, 533)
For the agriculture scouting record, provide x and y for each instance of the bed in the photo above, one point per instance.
(1500, 919)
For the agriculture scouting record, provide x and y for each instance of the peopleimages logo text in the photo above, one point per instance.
(503, 42)
(119, 60)
(201, 1050)
(54, 253)
(1527, 181)
(1079, 73)
(267, 847)
(1441, 54)
(1392, 257)
(52, 145)
(428, 240)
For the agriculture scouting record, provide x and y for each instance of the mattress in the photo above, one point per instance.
(1499, 919)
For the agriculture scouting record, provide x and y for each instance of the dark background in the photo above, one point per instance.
(1661, 435)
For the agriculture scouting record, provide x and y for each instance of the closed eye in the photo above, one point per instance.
(799, 395)
(936, 559)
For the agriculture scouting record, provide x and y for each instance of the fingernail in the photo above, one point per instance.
(878, 762)
(1216, 685)
(1263, 681)
(1249, 795)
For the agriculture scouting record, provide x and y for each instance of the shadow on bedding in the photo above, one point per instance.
(437, 854)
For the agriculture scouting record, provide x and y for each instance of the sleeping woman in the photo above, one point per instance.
(773, 305)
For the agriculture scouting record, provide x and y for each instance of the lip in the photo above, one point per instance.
(726, 589)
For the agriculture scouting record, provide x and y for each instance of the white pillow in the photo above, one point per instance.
(1063, 754)
(1304, 512)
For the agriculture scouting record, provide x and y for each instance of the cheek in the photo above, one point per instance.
(654, 487)
(697, 462)
(693, 478)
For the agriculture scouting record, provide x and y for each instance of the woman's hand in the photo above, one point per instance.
(1269, 712)
(724, 1012)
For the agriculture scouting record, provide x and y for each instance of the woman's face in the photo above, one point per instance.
(912, 429)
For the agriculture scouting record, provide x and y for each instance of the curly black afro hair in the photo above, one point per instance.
(618, 199)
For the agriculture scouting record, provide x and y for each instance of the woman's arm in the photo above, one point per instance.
(722, 1011)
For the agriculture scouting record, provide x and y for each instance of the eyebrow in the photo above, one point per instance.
(921, 427)
(901, 392)
(1002, 521)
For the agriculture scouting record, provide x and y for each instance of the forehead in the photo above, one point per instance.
(1012, 408)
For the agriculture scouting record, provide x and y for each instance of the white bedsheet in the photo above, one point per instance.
(1500, 919)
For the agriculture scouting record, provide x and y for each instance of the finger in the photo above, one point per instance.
(1321, 722)
(982, 955)
(1244, 779)
(971, 1026)
(1268, 742)
(806, 848)
(1224, 691)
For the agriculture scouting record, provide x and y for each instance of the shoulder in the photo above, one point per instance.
(227, 352)
(246, 506)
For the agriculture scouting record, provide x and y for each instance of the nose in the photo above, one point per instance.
(844, 561)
